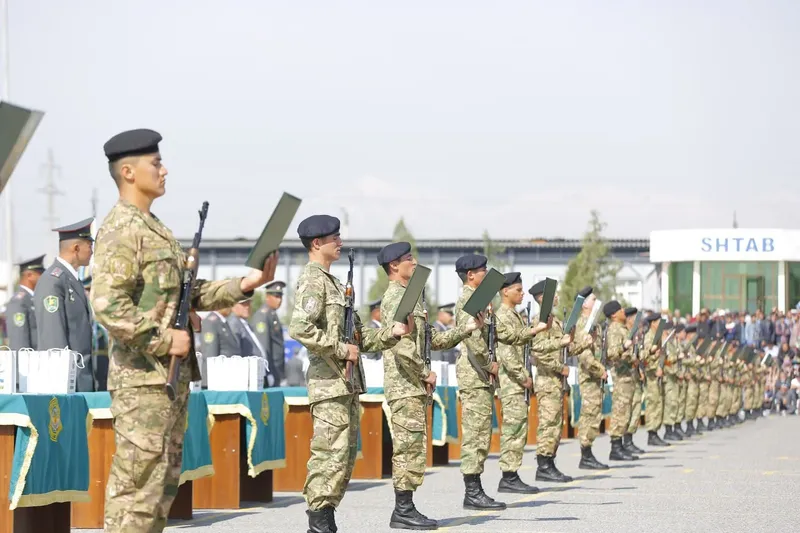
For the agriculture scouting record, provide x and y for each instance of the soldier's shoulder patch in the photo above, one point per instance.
(208, 337)
(19, 319)
(51, 304)
(310, 305)
(56, 272)
(261, 327)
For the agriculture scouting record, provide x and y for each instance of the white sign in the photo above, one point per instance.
(725, 245)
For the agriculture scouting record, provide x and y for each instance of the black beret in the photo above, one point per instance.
(132, 142)
(374, 305)
(611, 307)
(652, 317)
(585, 292)
(537, 289)
(512, 278)
(78, 230)
(393, 252)
(470, 262)
(448, 308)
(691, 328)
(275, 287)
(35, 264)
(318, 226)
(630, 311)
(679, 328)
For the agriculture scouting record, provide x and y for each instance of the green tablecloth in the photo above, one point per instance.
(51, 451)
(264, 412)
(196, 462)
(575, 404)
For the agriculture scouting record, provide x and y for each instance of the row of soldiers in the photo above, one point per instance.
(319, 323)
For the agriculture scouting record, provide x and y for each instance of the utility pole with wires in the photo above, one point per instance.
(50, 169)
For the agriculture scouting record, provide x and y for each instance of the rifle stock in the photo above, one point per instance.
(350, 335)
(426, 348)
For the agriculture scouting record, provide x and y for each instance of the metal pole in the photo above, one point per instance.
(9, 219)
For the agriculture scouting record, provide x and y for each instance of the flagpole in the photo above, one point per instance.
(5, 95)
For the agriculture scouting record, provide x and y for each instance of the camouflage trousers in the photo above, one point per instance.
(334, 446)
(146, 467)
(671, 392)
(724, 400)
(702, 402)
(591, 412)
(514, 432)
(550, 406)
(713, 398)
(636, 408)
(736, 404)
(681, 400)
(621, 404)
(476, 429)
(408, 441)
(749, 397)
(654, 404)
(692, 397)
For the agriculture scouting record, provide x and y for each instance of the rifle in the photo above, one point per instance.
(426, 346)
(350, 334)
(604, 353)
(526, 355)
(182, 319)
(492, 344)
(564, 355)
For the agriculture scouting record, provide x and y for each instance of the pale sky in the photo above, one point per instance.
(517, 117)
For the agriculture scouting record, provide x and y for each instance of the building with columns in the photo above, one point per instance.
(535, 259)
(734, 269)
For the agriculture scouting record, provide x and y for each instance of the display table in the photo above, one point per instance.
(247, 442)
(575, 407)
(44, 460)
(196, 462)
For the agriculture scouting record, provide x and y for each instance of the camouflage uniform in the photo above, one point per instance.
(723, 406)
(636, 403)
(590, 374)
(654, 403)
(405, 390)
(714, 388)
(135, 293)
(692, 372)
(671, 383)
(512, 335)
(703, 389)
(318, 324)
(624, 383)
(681, 375)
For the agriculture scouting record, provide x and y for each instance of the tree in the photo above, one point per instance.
(593, 266)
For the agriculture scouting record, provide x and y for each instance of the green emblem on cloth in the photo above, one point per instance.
(208, 338)
(19, 319)
(51, 304)
(261, 327)
(264, 408)
(54, 427)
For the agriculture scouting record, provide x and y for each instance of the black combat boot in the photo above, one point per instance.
(630, 447)
(712, 423)
(702, 425)
(331, 519)
(318, 521)
(726, 421)
(547, 470)
(669, 434)
(701, 428)
(619, 453)
(475, 498)
(654, 440)
(510, 482)
(679, 431)
(589, 461)
(690, 432)
(406, 516)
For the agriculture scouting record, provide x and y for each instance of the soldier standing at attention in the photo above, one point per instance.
(671, 387)
(620, 358)
(693, 378)
(550, 370)
(714, 391)
(63, 315)
(680, 335)
(444, 321)
(702, 366)
(654, 403)
(318, 324)
(135, 294)
(638, 389)
(218, 339)
(513, 333)
(591, 374)
(406, 384)
(374, 322)
(269, 331)
(20, 317)
(472, 371)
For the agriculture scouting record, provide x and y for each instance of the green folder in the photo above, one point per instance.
(635, 328)
(739, 354)
(548, 297)
(485, 292)
(704, 344)
(574, 314)
(17, 126)
(412, 293)
(659, 333)
(274, 231)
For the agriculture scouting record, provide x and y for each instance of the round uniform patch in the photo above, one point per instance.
(208, 338)
(311, 305)
(51, 304)
(19, 319)
(261, 327)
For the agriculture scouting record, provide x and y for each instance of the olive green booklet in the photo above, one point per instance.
(274, 231)
(412, 293)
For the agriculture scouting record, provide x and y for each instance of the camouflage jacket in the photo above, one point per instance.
(546, 349)
(318, 324)
(513, 333)
(135, 292)
(650, 359)
(475, 345)
(671, 359)
(590, 368)
(403, 365)
(715, 369)
(689, 361)
(620, 358)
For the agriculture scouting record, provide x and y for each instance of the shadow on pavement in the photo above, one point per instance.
(534, 503)
(363, 486)
(640, 477)
(466, 520)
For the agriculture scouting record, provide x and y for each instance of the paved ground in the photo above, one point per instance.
(735, 480)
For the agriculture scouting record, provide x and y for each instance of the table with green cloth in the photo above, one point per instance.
(196, 462)
(445, 416)
(264, 412)
(51, 451)
(575, 404)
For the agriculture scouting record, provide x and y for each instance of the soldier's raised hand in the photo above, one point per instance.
(542, 326)
(477, 322)
(403, 328)
(257, 278)
(566, 339)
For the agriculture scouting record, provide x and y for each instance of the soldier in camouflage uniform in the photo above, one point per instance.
(654, 404)
(474, 389)
(591, 375)
(550, 371)
(749, 390)
(671, 420)
(703, 385)
(691, 364)
(135, 295)
(513, 333)
(21, 319)
(714, 391)
(318, 324)
(407, 383)
(681, 375)
(725, 393)
(638, 380)
(619, 350)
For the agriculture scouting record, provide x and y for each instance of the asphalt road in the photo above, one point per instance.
(736, 480)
